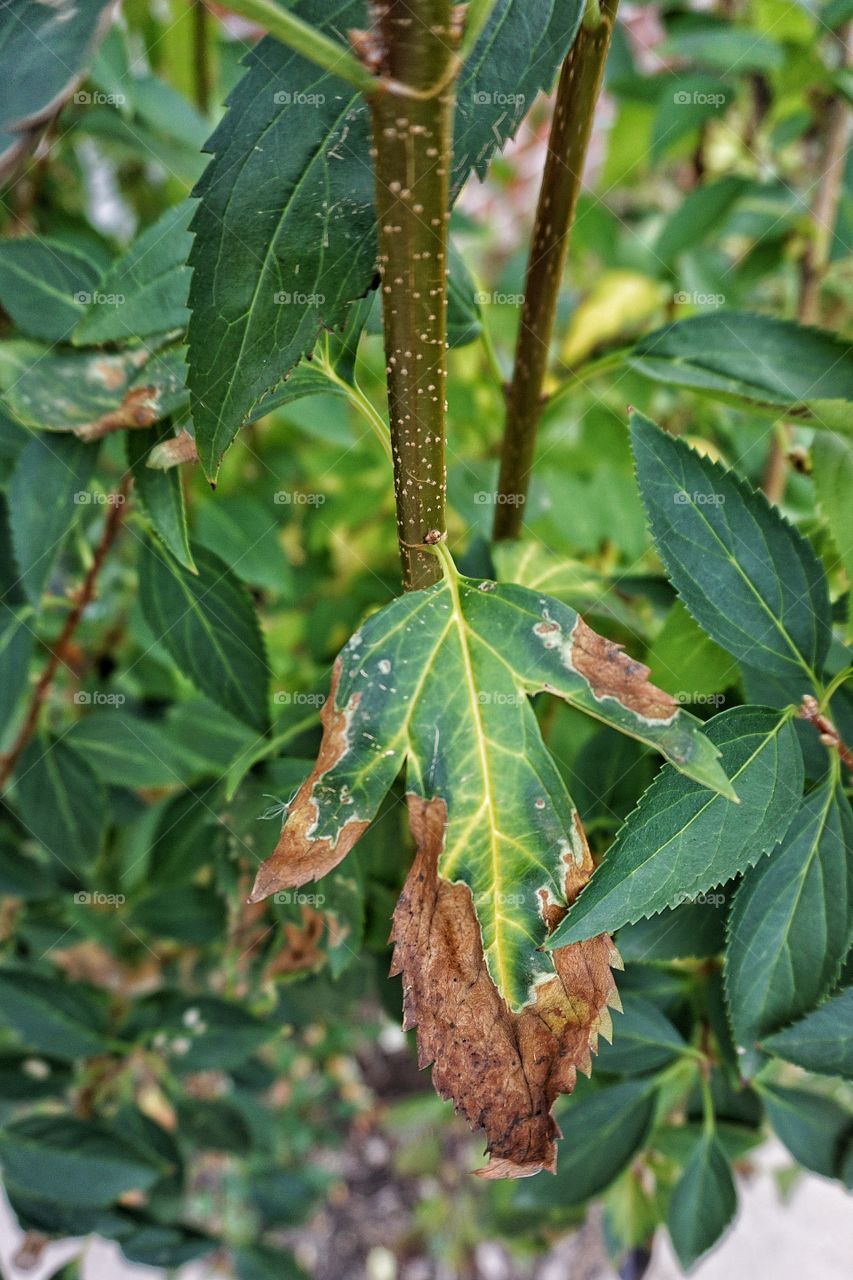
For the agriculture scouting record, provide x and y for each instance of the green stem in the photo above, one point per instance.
(307, 40)
(571, 128)
(202, 74)
(710, 1122)
(413, 44)
(591, 369)
(358, 400)
(834, 685)
(477, 14)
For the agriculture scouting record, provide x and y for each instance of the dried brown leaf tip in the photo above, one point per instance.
(612, 673)
(502, 1070)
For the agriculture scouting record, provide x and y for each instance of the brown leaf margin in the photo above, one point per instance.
(502, 1070)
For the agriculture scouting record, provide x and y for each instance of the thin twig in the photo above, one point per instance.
(85, 596)
(829, 735)
(571, 128)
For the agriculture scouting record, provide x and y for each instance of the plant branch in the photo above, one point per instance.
(829, 735)
(85, 596)
(571, 128)
(202, 74)
(307, 40)
(413, 45)
(824, 213)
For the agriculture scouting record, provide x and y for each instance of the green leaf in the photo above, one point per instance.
(50, 1016)
(264, 284)
(740, 357)
(747, 577)
(196, 916)
(16, 631)
(198, 1033)
(127, 751)
(73, 1161)
(25, 1077)
(440, 679)
(791, 923)
(695, 931)
(160, 493)
(701, 212)
(604, 1131)
(681, 841)
(703, 1202)
(687, 663)
(23, 876)
(90, 392)
(832, 468)
(145, 291)
(44, 286)
(244, 532)
(62, 802)
(59, 471)
(814, 1128)
(45, 50)
(463, 309)
(643, 1039)
(154, 1245)
(214, 1124)
(207, 623)
(260, 1262)
(822, 1041)
(530, 564)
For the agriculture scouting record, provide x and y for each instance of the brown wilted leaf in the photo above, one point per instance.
(298, 858)
(612, 673)
(502, 1070)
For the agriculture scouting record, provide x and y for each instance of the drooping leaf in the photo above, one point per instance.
(791, 923)
(604, 1131)
(44, 286)
(45, 50)
(153, 1244)
(73, 1162)
(264, 284)
(440, 680)
(91, 393)
(644, 1039)
(586, 589)
(682, 841)
(145, 291)
(463, 309)
(127, 751)
(754, 359)
(747, 577)
(822, 1041)
(160, 492)
(16, 629)
(62, 802)
(58, 470)
(832, 467)
(51, 1016)
(703, 1202)
(701, 211)
(815, 1129)
(687, 663)
(207, 623)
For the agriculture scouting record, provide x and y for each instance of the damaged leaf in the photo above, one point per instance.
(440, 681)
(90, 393)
